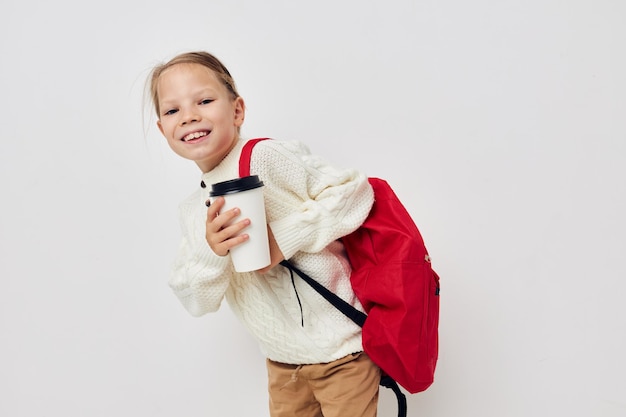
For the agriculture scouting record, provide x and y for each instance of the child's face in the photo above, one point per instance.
(199, 118)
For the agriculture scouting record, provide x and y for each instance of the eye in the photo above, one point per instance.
(206, 101)
(170, 112)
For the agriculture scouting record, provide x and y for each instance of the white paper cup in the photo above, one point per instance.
(247, 194)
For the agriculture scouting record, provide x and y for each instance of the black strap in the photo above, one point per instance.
(388, 382)
(356, 316)
(352, 313)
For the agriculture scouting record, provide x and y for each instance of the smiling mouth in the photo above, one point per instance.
(194, 135)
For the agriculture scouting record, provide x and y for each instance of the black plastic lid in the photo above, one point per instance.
(235, 186)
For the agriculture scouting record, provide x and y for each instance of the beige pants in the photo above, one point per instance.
(347, 387)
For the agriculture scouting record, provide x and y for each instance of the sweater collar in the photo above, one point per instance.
(226, 170)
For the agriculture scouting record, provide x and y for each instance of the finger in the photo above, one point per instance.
(230, 243)
(222, 239)
(224, 219)
(214, 207)
(230, 230)
(222, 248)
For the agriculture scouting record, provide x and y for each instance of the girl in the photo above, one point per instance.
(315, 362)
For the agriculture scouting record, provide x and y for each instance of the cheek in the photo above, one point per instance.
(167, 129)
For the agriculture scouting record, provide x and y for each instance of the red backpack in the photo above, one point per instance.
(393, 279)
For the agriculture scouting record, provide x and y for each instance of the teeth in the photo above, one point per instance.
(195, 135)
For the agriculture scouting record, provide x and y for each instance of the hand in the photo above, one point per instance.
(276, 256)
(220, 236)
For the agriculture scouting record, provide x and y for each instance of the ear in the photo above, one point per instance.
(160, 126)
(240, 111)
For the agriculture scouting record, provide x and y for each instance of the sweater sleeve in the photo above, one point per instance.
(199, 277)
(310, 202)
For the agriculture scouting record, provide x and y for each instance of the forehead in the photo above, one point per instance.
(186, 78)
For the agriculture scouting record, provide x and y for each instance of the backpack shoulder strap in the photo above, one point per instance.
(358, 317)
(246, 154)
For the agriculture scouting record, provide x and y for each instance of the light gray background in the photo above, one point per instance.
(499, 123)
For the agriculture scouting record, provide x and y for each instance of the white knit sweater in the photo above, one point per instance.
(309, 205)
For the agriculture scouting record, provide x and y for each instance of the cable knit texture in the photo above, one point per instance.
(309, 205)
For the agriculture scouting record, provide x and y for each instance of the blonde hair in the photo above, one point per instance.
(200, 57)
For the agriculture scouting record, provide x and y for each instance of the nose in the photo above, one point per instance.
(189, 116)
